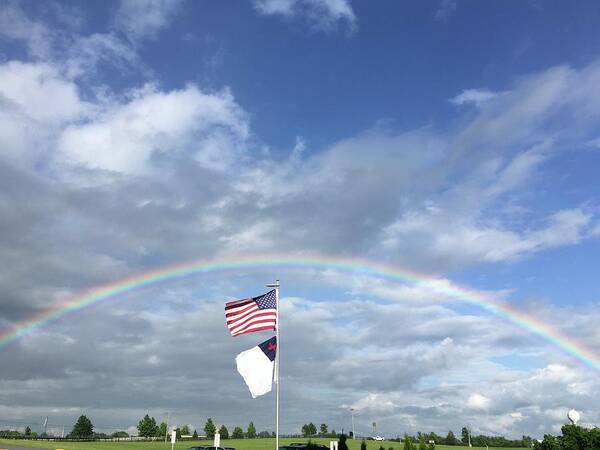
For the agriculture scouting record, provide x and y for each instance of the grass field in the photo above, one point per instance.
(239, 444)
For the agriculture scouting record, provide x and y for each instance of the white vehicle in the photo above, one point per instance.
(378, 438)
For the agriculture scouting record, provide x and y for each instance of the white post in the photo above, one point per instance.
(277, 371)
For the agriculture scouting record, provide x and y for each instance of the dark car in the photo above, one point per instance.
(198, 447)
(298, 446)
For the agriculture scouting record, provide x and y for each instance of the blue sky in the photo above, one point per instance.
(458, 139)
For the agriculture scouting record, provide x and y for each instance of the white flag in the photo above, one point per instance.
(256, 367)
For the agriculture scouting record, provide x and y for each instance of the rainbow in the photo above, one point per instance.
(156, 277)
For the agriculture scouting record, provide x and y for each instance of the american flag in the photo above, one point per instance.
(252, 314)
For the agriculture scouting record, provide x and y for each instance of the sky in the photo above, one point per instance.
(455, 139)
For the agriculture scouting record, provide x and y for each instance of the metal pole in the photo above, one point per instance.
(353, 433)
(277, 356)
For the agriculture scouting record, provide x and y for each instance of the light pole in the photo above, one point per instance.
(353, 433)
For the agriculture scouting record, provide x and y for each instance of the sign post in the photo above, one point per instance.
(217, 440)
(173, 438)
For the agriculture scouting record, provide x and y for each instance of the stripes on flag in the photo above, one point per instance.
(252, 314)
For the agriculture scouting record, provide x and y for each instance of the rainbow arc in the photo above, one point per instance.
(154, 278)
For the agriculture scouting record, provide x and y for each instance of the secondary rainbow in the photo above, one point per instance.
(154, 278)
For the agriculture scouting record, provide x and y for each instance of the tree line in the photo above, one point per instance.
(310, 429)
(479, 440)
(573, 438)
(147, 427)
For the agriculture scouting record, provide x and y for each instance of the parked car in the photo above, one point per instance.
(198, 447)
(302, 446)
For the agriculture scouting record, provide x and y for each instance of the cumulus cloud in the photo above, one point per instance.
(125, 137)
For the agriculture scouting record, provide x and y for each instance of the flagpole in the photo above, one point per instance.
(277, 372)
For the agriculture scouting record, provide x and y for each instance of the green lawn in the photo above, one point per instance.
(239, 444)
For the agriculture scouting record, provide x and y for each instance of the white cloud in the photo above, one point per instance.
(35, 103)
(444, 234)
(38, 92)
(86, 52)
(124, 137)
(446, 9)
(14, 24)
(144, 18)
(478, 401)
(473, 96)
(324, 14)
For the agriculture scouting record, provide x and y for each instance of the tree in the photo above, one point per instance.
(83, 428)
(407, 443)
(251, 433)
(224, 432)
(305, 431)
(185, 430)
(323, 428)
(238, 433)
(178, 433)
(195, 435)
(549, 443)
(120, 434)
(451, 439)
(363, 445)
(431, 445)
(210, 429)
(312, 429)
(422, 445)
(147, 427)
(27, 431)
(464, 436)
(573, 438)
(161, 430)
(341, 442)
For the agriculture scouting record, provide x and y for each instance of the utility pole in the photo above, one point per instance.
(353, 432)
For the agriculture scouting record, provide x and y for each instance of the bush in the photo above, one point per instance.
(342, 442)
(407, 442)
